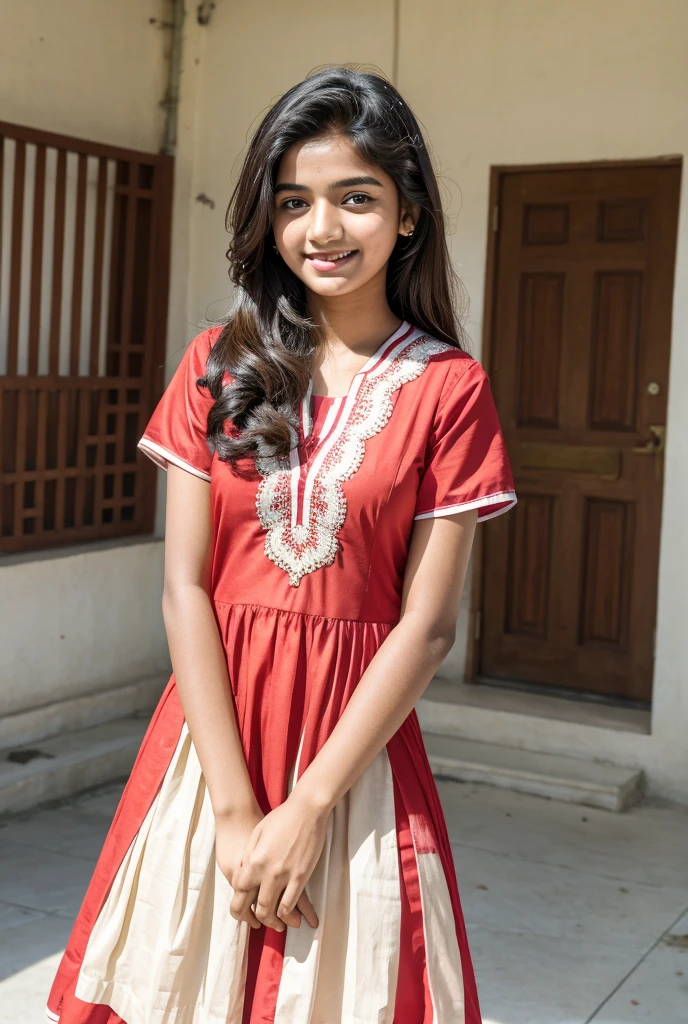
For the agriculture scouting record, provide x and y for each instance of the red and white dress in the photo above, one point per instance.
(306, 584)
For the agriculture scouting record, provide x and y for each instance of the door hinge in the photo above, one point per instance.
(495, 218)
(478, 624)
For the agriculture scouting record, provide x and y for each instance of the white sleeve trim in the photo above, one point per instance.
(50, 1015)
(509, 497)
(161, 456)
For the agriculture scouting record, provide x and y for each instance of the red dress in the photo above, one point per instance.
(307, 580)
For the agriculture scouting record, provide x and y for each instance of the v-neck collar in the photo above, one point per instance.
(302, 505)
(378, 357)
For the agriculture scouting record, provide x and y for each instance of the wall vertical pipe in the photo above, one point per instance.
(171, 102)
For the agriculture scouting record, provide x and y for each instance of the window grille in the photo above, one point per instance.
(84, 267)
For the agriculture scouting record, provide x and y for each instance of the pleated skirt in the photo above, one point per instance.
(154, 941)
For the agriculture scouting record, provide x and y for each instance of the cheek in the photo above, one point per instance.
(288, 233)
(377, 235)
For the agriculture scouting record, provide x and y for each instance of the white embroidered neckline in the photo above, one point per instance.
(301, 543)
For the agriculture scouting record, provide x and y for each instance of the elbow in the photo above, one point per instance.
(439, 638)
(178, 597)
(436, 634)
(172, 599)
(442, 642)
(167, 603)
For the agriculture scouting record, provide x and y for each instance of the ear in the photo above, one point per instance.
(408, 217)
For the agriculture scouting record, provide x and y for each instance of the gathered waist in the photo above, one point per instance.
(260, 608)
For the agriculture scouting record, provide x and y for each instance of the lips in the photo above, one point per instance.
(330, 261)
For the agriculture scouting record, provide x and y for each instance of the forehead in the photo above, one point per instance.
(315, 162)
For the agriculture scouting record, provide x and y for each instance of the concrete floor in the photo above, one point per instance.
(573, 915)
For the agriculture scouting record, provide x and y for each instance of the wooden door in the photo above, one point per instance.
(579, 361)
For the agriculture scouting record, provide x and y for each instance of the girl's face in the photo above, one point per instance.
(329, 203)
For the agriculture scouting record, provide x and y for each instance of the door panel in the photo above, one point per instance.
(579, 370)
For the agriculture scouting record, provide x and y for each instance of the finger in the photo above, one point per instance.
(295, 898)
(266, 905)
(247, 877)
(241, 909)
(306, 908)
(291, 917)
(240, 906)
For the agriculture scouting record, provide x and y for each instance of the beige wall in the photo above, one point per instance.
(73, 624)
(92, 68)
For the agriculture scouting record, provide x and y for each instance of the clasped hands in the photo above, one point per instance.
(268, 859)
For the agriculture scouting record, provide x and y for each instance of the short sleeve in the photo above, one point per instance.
(176, 432)
(466, 465)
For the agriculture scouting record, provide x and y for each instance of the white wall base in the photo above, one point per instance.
(76, 713)
(72, 764)
(592, 732)
(78, 621)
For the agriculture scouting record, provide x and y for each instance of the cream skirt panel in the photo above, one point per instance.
(166, 950)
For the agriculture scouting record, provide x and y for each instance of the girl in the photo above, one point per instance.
(279, 853)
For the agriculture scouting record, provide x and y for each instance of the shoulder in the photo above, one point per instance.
(196, 353)
(449, 367)
(202, 343)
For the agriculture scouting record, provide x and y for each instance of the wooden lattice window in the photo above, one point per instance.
(84, 267)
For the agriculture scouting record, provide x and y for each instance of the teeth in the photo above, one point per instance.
(341, 256)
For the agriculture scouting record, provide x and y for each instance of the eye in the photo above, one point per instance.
(286, 205)
(360, 195)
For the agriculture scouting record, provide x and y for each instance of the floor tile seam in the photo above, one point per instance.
(648, 886)
(23, 906)
(60, 915)
(622, 982)
(474, 925)
(31, 814)
(51, 849)
(18, 843)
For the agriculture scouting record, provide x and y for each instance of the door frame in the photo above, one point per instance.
(498, 173)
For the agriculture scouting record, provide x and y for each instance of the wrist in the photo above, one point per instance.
(316, 799)
(227, 812)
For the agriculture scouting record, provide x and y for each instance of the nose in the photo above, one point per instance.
(324, 224)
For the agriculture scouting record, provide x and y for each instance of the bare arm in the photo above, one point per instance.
(200, 669)
(285, 846)
(196, 650)
(405, 662)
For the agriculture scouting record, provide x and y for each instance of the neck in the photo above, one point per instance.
(359, 321)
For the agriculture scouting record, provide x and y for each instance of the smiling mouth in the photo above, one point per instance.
(328, 261)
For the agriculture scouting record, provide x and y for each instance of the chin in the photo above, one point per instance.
(333, 286)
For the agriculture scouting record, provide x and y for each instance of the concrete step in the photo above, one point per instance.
(590, 783)
(69, 764)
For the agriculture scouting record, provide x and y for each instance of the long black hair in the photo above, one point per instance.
(267, 341)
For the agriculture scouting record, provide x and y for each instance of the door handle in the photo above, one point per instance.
(655, 445)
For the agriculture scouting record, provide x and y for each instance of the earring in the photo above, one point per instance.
(276, 249)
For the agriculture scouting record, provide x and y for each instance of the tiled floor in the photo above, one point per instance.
(574, 915)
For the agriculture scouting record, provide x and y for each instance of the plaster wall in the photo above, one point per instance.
(91, 68)
(76, 622)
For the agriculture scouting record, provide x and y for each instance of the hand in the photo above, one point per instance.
(279, 858)
(232, 832)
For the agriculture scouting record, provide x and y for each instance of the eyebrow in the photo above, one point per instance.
(364, 179)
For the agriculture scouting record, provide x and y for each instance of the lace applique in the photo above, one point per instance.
(301, 547)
